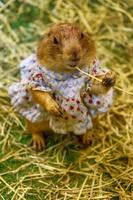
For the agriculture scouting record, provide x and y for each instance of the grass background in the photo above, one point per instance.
(65, 171)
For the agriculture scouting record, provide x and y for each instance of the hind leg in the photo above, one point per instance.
(88, 138)
(37, 130)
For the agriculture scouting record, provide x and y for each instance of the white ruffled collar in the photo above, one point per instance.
(61, 76)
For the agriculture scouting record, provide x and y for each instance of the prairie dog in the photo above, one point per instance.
(56, 84)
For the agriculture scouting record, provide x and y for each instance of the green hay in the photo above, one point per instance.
(64, 171)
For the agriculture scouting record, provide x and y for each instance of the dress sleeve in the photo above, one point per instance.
(97, 68)
(21, 98)
(32, 75)
(98, 103)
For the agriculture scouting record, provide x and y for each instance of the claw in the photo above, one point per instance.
(55, 109)
(87, 139)
(109, 80)
(38, 142)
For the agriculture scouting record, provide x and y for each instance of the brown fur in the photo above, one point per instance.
(62, 44)
(58, 56)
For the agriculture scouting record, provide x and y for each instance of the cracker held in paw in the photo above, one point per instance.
(52, 94)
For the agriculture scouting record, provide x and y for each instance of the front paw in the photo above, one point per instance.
(53, 108)
(109, 79)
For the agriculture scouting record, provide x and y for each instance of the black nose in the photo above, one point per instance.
(75, 56)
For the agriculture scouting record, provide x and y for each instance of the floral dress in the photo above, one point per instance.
(66, 91)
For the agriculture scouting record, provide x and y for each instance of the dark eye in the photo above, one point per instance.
(55, 41)
(81, 35)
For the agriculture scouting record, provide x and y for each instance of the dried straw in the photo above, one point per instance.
(65, 171)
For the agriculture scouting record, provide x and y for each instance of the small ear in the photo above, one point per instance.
(88, 34)
(48, 34)
(45, 35)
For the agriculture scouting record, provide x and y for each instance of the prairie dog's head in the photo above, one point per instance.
(65, 46)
